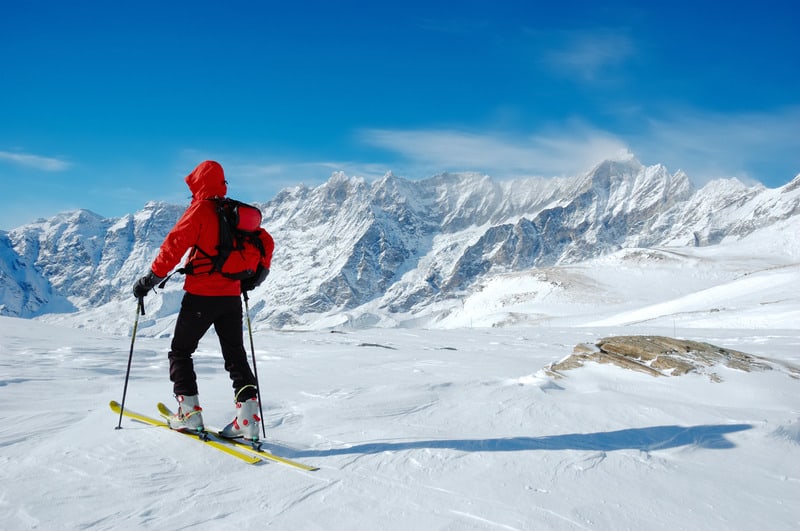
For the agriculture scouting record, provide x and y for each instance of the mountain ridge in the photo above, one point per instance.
(395, 245)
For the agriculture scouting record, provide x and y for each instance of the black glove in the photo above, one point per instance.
(249, 284)
(145, 284)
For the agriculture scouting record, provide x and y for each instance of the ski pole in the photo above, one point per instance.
(255, 370)
(139, 309)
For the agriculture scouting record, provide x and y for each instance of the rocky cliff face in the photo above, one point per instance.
(396, 244)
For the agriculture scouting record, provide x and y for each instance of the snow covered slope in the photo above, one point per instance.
(411, 429)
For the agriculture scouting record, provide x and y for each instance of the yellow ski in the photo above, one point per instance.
(221, 446)
(246, 446)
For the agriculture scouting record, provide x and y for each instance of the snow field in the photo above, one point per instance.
(424, 429)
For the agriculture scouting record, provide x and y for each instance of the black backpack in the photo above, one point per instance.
(240, 249)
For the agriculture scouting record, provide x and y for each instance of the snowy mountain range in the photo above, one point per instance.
(394, 252)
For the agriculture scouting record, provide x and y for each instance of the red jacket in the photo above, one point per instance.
(199, 226)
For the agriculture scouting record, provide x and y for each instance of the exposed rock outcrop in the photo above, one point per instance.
(664, 356)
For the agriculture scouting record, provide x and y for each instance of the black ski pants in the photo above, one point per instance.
(197, 314)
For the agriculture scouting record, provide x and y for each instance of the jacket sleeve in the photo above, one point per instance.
(269, 247)
(183, 235)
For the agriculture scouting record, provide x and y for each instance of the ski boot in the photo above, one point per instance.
(246, 422)
(189, 416)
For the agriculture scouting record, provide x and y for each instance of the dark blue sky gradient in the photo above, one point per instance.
(107, 105)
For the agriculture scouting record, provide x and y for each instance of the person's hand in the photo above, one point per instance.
(249, 284)
(143, 286)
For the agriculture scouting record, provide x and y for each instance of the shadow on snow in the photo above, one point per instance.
(643, 439)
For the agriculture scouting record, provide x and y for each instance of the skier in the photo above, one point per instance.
(209, 299)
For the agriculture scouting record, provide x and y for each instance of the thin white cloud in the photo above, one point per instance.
(711, 145)
(261, 179)
(753, 146)
(35, 161)
(705, 145)
(588, 56)
(573, 149)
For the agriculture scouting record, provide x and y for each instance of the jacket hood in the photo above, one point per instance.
(207, 180)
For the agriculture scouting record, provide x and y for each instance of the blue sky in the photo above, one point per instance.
(106, 106)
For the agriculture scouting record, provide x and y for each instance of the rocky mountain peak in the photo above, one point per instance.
(394, 246)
